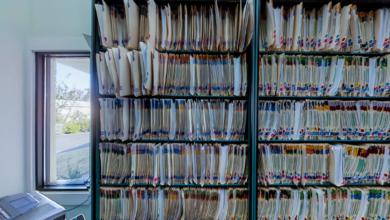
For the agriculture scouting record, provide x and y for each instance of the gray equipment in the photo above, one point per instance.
(33, 205)
(79, 217)
(15, 205)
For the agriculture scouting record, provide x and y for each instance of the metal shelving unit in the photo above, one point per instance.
(95, 123)
(253, 97)
(362, 6)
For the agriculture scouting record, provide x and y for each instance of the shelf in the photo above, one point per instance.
(324, 97)
(176, 3)
(326, 1)
(105, 49)
(180, 141)
(318, 184)
(189, 51)
(237, 185)
(325, 141)
(362, 5)
(116, 5)
(323, 53)
(119, 3)
(200, 52)
(174, 185)
(178, 97)
(198, 1)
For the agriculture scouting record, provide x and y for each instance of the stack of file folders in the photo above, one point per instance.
(201, 28)
(302, 164)
(315, 119)
(329, 28)
(285, 75)
(169, 164)
(323, 203)
(123, 73)
(173, 203)
(293, 163)
(124, 27)
(205, 28)
(124, 119)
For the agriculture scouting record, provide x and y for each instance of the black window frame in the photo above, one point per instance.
(42, 105)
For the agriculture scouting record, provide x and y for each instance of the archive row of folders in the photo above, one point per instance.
(339, 164)
(166, 119)
(289, 75)
(125, 73)
(323, 120)
(315, 203)
(319, 203)
(173, 163)
(329, 28)
(181, 27)
(173, 203)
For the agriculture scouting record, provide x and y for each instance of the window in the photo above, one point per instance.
(62, 120)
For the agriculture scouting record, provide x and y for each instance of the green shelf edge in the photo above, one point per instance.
(172, 185)
(308, 53)
(177, 97)
(324, 141)
(324, 184)
(384, 98)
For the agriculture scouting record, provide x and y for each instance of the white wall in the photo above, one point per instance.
(58, 25)
(28, 26)
(14, 17)
(71, 199)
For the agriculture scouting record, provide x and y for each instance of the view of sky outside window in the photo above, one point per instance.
(72, 121)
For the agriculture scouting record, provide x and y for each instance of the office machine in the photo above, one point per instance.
(79, 217)
(28, 206)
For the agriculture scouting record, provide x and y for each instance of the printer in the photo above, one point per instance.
(30, 206)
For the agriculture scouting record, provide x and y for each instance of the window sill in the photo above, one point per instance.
(68, 197)
(63, 188)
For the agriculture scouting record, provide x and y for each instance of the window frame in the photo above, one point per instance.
(42, 121)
